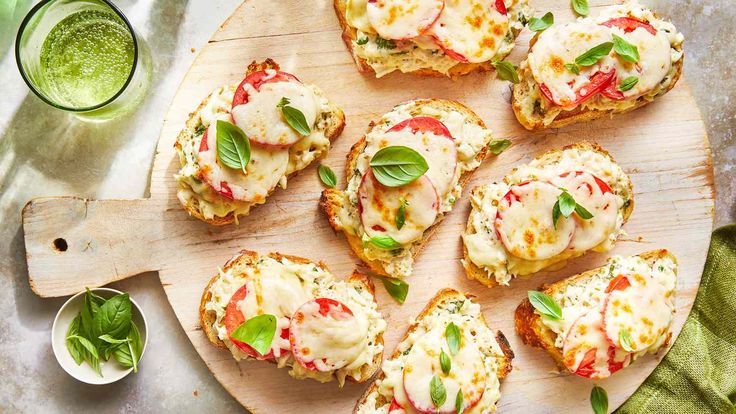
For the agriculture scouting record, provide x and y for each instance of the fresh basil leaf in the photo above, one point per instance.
(625, 49)
(327, 176)
(545, 305)
(362, 41)
(556, 213)
(135, 339)
(459, 402)
(445, 362)
(382, 43)
(580, 7)
(86, 344)
(541, 24)
(397, 288)
(233, 146)
(114, 317)
(497, 146)
(437, 391)
(283, 102)
(567, 203)
(594, 54)
(506, 71)
(89, 309)
(599, 400)
(110, 340)
(395, 166)
(95, 300)
(385, 242)
(72, 345)
(628, 83)
(257, 332)
(294, 117)
(582, 212)
(401, 214)
(121, 353)
(625, 339)
(128, 354)
(453, 337)
(573, 67)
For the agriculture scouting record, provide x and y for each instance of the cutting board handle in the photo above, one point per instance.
(73, 243)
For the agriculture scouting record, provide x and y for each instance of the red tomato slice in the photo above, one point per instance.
(501, 7)
(203, 144)
(629, 24)
(605, 188)
(619, 282)
(395, 408)
(325, 305)
(423, 124)
(234, 318)
(598, 82)
(256, 79)
(611, 91)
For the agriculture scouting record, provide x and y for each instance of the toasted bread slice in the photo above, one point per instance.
(331, 122)
(550, 158)
(246, 259)
(518, 11)
(445, 301)
(535, 112)
(334, 202)
(534, 332)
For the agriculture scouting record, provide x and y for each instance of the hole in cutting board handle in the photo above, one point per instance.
(60, 245)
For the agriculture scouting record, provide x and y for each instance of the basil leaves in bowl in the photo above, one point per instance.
(99, 336)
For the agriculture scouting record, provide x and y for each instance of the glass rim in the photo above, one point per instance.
(31, 86)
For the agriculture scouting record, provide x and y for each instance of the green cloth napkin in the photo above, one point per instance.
(698, 375)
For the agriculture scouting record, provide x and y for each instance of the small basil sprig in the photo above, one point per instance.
(362, 41)
(327, 176)
(445, 362)
(625, 49)
(258, 332)
(580, 7)
(497, 146)
(625, 339)
(541, 24)
(573, 67)
(453, 337)
(506, 71)
(459, 402)
(628, 83)
(233, 146)
(382, 43)
(590, 57)
(294, 117)
(545, 305)
(395, 166)
(401, 214)
(565, 205)
(437, 391)
(397, 288)
(385, 242)
(599, 400)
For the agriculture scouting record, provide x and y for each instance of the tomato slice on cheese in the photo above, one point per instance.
(598, 83)
(403, 19)
(471, 30)
(379, 205)
(655, 61)
(586, 351)
(629, 24)
(256, 79)
(524, 222)
(325, 335)
(595, 196)
(468, 373)
(234, 318)
(639, 307)
(263, 172)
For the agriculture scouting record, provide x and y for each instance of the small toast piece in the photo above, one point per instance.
(448, 305)
(208, 206)
(550, 159)
(534, 332)
(238, 267)
(337, 204)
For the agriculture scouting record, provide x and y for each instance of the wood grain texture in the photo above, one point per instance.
(662, 146)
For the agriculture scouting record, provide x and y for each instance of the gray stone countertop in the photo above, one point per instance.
(45, 152)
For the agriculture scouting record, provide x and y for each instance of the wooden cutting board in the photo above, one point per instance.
(72, 243)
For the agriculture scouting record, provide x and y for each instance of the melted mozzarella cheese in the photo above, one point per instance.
(654, 60)
(473, 29)
(355, 13)
(263, 121)
(586, 350)
(525, 225)
(403, 19)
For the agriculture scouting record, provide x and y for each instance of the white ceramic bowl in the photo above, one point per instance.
(111, 370)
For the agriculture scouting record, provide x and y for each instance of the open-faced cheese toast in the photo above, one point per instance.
(448, 359)
(216, 190)
(430, 37)
(512, 230)
(598, 66)
(387, 225)
(610, 316)
(325, 328)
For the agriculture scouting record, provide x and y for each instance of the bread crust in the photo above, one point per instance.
(247, 258)
(334, 129)
(474, 271)
(332, 200)
(529, 324)
(443, 296)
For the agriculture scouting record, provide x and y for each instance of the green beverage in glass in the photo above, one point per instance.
(83, 56)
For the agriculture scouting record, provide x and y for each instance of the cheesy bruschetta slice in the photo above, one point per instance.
(403, 177)
(594, 67)
(320, 327)
(557, 207)
(449, 361)
(246, 139)
(600, 321)
(430, 37)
